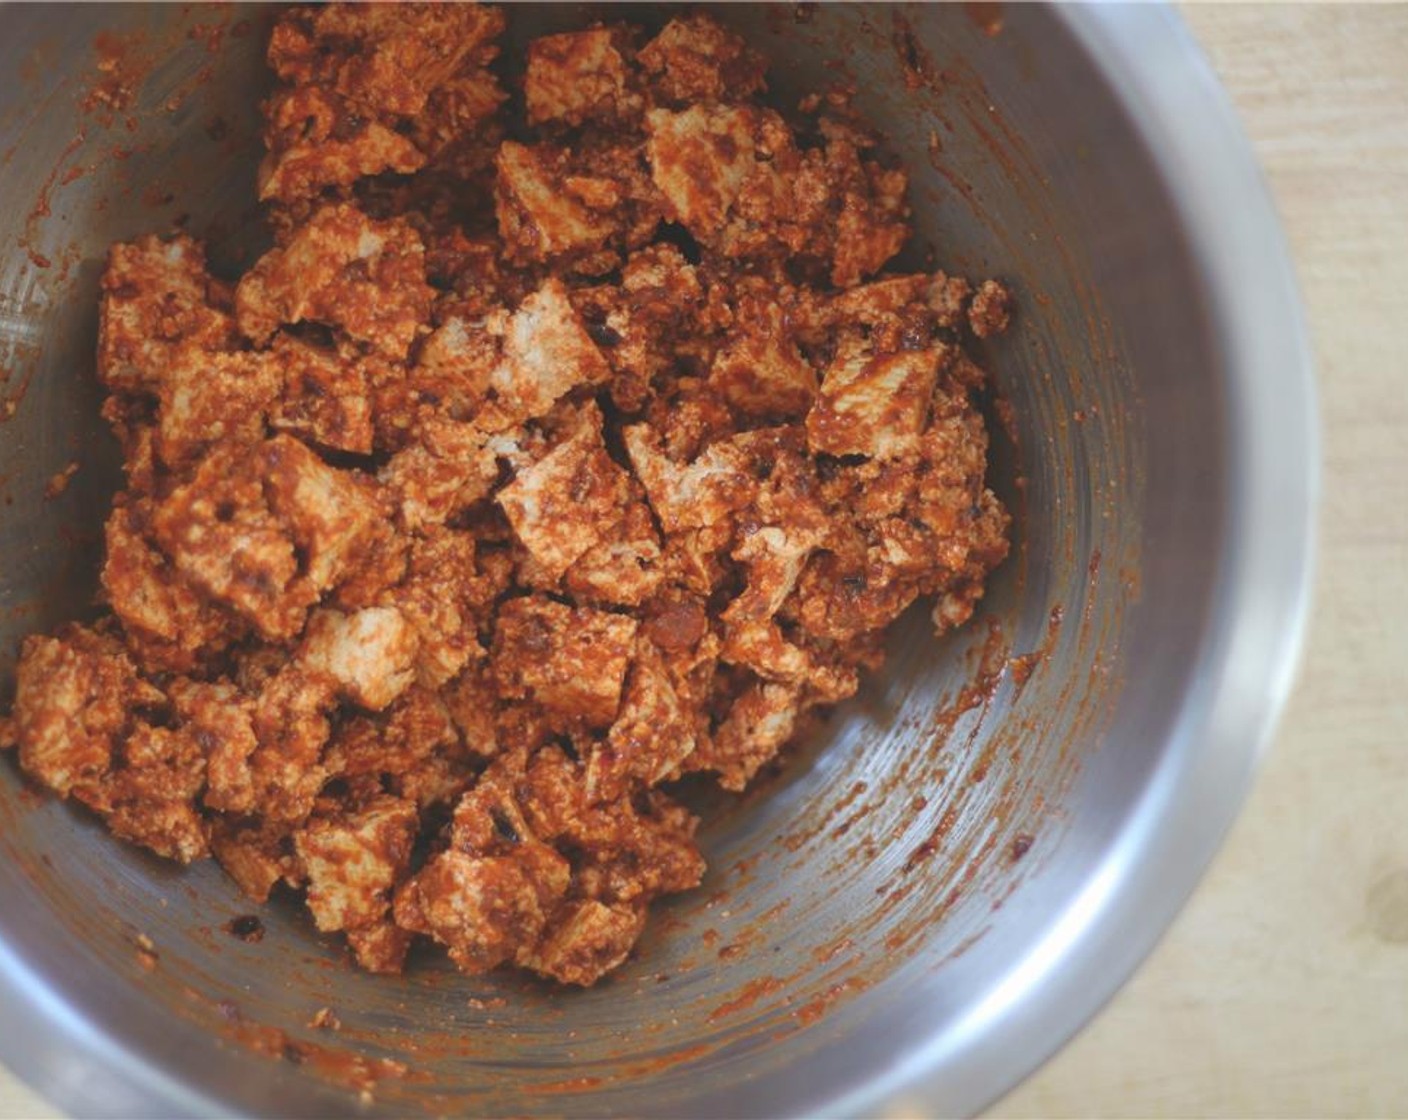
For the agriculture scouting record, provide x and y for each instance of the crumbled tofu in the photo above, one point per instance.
(252, 858)
(482, 908)
(547, 353)
(567, 502)
(457, 361)
(221, 534)
(380, 947)
(331, 514)
(874, 405)
(652, 735)
(761, 720)
(370, 654)
(207, 398)
(390, 59)
(622, 572)
(169, 623)
(588, 941)
(760, 370)
(450, 466)
(991, 309)
(362, 276)
(577, 76)
(156, 297)
(458, 129)
(700, 159)
(694, 58)
(414, 749)
(149, 798)
(774, 556)
(309, 159)
(325, 397)
(73, 695)
(697, 494)
(437, 598)
(355, 79)
(292, 727)
(355, 860)
(221, 722)
(536, 218)
(565, 444)
(573, 662)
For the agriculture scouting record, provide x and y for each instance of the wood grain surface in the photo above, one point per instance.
(1282, 990)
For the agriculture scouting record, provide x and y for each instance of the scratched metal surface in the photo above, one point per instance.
(865, 900)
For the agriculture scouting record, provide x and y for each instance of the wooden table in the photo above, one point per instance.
(1282, 990)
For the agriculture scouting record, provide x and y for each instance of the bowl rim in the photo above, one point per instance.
(1252, 650)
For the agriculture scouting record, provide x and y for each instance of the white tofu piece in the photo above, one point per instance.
(547, 353)
(331, 513)
(874, 406)
(576, 76)
(694, 495)
(700, 159)
(566, 503)
(353, 862)
(370, 654)
(531, 197)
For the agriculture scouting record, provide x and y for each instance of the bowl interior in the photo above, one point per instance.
(870, 907)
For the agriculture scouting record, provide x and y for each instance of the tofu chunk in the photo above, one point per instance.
(169, 625)
(355, 860)
(700, 159)
(150, 796)
(341, 268)
(577, 76)
(325, 397)
(484, 909)
(209, 397)
(572, 661)
(370, 654)
(449, 466)
(221, 534)
(652, 735)
(567, 502)
(156, 296)
(695, 58)
(874, 405)
(547, 353)
(587, 942)
(73, 698)
(440, 600)
(340, 147)
(220, 718)
(759, 369)
(538, 220)
(693, 495)
(758, 725)
(332, 514)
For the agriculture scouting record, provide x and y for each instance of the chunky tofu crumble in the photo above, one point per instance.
(571, 439)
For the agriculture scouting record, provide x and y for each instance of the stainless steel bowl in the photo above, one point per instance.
(947, 881)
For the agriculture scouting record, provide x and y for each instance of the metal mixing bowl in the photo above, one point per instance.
(943, 885)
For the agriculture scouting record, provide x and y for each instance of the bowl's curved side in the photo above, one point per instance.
(1253, 644)
(1171, 524)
